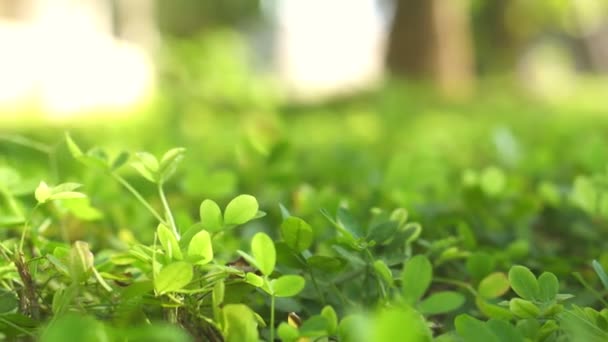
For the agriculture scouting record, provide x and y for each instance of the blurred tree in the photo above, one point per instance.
(431, 39)
(496, 47)
(134, 21)
(190, 17)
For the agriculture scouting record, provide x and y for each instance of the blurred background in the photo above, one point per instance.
(64, 58)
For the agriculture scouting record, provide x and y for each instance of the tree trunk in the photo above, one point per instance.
(431, 39)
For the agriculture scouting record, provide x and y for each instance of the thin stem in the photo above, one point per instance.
(163, 199)
(272, 318)
(458, 283)
(139, 197)
(378, 280)
(26, 226)
(101, 281)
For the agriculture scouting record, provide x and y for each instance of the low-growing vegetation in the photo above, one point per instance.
(385, 231)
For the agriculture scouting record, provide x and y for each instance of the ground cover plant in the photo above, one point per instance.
(447, 224)
(162, 178)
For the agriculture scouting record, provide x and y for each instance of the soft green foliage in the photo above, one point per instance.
(200, 249)
(262, 249)
(287, 286)
(494, 285)
(416, 278)
(173, 277)
(240, 210)
(380, 226)
(296, 233)
(211, 216)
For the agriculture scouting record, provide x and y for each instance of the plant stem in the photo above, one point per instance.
(272, 318)
(139, 197)
(26, 226)
(461, 284)
(378, 280)
(168, 210)
(172, 315)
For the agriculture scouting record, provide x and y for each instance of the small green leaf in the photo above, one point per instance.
(494, 285)
(217, 299)
(262, 249)
(148, 160)
(211, 216)
(441, 302)
(473, 330)
(284, 212)
(66, 195)
(65, 187)
(332, 319)
(171, 156)
(240, 324)
(399, 324)
(523, 308)
(72, 146)
(416, 278)
(287, 285)
(524, 282)
(254, 279)
(173, 277)
(169, 162)
(384, 272)
(296, 233)
(218, 293)
(200, 250)
(504, 330)
(80, 261)
(314, 327)
(384, 232)
(469, 240)
(120, 160)
(492, 310)
(240, 210)
(354, 328)
(325, 263)
(348, 222)
(601, 273)
(548, 285)
(287, 333)
(42, 193)
(8, 301)
(82, 209)
(169, 243)
(144, 172)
